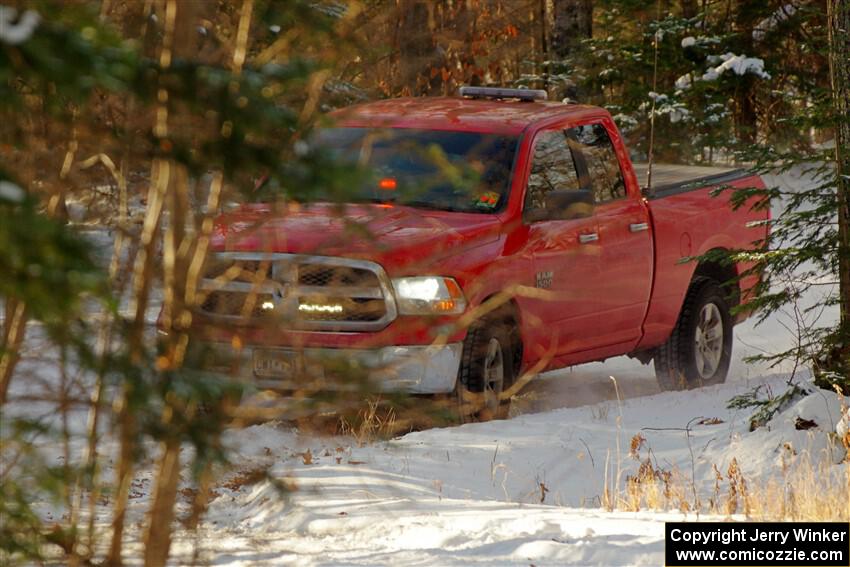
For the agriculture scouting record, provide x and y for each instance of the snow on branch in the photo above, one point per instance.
(768, 24)
(738, 64)
(13, 33)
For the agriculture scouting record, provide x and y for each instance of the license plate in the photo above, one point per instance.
(275, 363)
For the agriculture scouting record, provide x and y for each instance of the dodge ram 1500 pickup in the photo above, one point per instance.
(498, 236)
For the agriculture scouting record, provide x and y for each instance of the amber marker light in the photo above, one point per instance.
(388, 184)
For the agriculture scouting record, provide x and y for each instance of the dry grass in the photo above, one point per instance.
(374, 422)
(808, 490)
(813, 491)
(246, 477)
(804, 488)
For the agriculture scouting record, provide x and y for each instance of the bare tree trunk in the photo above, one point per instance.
(573, 22)
(161, 175)
(161, 516)
(746, 119)
(182, 260)
(416, 50)
(532, 37)
(14, 328)
(15, 313)
(142, 278)
(838, 12)
(545, 51)
(689, 8)
(173, 186)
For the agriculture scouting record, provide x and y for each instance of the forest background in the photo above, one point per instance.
(121, 114)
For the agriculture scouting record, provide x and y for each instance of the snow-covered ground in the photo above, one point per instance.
(528, 490)
(523, 491)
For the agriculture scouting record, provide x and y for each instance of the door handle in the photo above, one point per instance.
(585, 238)
(638, 227)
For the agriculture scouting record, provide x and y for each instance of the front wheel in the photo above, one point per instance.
(699, 350)
(488, 368)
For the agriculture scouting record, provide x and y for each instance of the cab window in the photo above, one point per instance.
(603, 167)
(552, 169)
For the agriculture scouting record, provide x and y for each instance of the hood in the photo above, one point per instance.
(397, 237)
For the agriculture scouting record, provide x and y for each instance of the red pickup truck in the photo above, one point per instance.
(496, 236)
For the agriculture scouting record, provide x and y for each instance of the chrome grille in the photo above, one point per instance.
(322, 275)
(353, 309)
(226, 268)
(235, 304)
(303, 292)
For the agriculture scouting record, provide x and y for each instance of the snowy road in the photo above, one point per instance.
(517, 492)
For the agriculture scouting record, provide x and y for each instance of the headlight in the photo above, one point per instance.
(428, 295)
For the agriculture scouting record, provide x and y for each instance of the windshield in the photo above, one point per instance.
(451, 171)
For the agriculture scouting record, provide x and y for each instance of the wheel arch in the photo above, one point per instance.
(712, 265)
(509, 313)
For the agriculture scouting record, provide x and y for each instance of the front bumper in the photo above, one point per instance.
(414, 369)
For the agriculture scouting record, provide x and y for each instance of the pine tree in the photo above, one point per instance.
(838, 13)
(172, 106)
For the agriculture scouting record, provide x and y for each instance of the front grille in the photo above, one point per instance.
(322, 275)
(237, 270)
(352, 309)
(236, 304)
(301, 292)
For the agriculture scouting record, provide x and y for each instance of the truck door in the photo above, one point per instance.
(625, 238)
(563, 242)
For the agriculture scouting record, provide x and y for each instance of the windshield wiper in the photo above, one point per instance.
(432, 206)
(377, 200)
(414, 204)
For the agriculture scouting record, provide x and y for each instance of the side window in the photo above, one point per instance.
(603, 167)
(552, 169)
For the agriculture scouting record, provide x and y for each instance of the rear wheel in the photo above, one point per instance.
(488, 368)
(699, 349)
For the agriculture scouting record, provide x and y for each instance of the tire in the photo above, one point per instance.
(699, 350)
(489, 366)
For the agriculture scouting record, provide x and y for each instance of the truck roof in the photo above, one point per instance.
(455, 113)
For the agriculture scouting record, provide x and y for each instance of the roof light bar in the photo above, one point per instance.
(500, 93)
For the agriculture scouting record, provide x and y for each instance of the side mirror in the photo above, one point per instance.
(564, 205)
(570, 204)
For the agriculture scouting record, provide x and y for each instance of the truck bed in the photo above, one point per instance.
(668, 179)
(689, 222)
